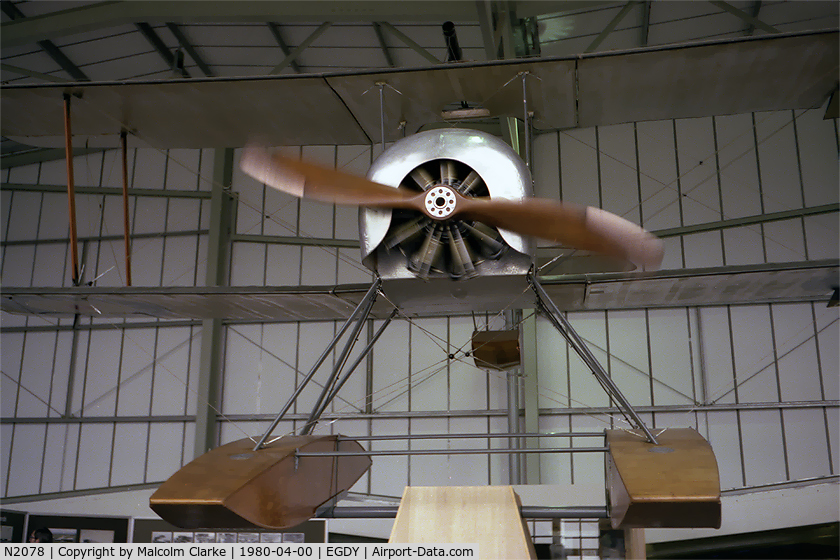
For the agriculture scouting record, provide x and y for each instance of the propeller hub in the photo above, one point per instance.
(440, 202)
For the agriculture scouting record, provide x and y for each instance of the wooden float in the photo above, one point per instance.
(672, 484)
(234, 486)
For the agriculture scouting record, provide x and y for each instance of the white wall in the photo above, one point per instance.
(760, 381)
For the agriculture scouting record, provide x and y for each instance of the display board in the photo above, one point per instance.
(159, 531)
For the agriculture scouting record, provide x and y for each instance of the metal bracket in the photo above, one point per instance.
(382, 86)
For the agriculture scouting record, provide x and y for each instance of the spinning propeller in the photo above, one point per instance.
(449, 206)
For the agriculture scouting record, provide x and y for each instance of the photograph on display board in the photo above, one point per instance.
(271, 537)
(249, 537)
(179, 537)
(6, 533)
(294, 537)
(61, 535)
(161, 537)
(147, 530)
(96, 536)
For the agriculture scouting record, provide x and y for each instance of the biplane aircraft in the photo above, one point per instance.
(448, 226)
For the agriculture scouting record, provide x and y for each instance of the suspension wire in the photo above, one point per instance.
(133, 376)
(724, 389)
(439, 341)
(157, 361)
(542, 393)
(454, 355)
(400, 387)
(562, 257)
(278, 358)
(20, 384)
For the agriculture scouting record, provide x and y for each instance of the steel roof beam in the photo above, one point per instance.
(389, 59)
(756, 7)
(275, 31)
(409, 42)
(188, 48)
(485, 23)
(292, 56)
(32, 73)
(40, 155)
(611, 26)
(726, 7)
(161, 48)
(101, 15)
(645, 29)
(48, 46)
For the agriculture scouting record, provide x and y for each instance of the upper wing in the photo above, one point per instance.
(766, 73)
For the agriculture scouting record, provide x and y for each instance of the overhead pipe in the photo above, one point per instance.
(71, 192)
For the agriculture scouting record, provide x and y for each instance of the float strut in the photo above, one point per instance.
(362, 307)
(578, 345)
(71, 190)
(124, 146)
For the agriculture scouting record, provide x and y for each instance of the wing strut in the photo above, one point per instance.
(126, 230)
(576, 342)
(362, 309)
(71, 189)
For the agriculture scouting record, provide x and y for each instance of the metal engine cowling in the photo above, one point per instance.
(401, 244)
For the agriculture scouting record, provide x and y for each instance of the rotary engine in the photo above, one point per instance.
(407, 243)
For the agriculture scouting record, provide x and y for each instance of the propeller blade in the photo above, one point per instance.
(314, 182)
(574, 226)
(580, 227)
